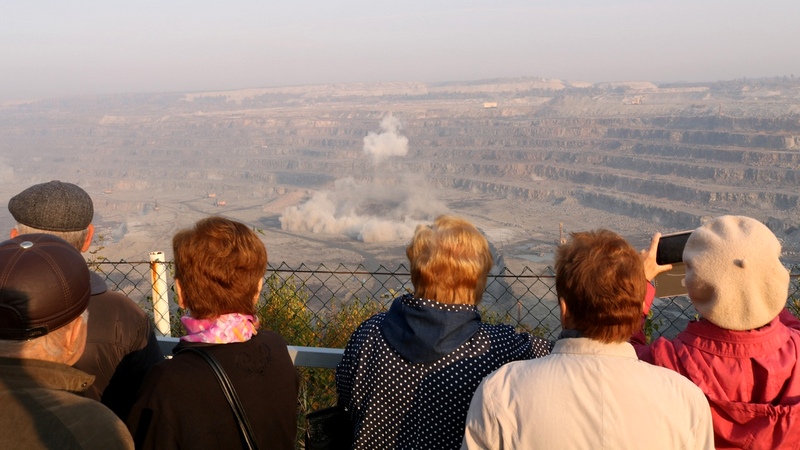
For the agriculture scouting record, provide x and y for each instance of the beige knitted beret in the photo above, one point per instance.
(734, 274)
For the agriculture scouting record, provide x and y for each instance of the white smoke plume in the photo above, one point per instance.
(388, 143)
(368, 211)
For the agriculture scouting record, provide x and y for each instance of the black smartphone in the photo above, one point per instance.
(670, 247)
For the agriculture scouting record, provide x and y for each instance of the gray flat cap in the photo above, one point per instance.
(53, 206)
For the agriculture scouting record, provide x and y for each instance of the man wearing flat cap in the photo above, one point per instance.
(744, 350)
(121, 345)
(44, 293)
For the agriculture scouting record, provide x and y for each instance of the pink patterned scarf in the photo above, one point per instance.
(224, 329)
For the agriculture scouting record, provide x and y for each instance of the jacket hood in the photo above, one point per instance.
(755, 425)
(423, 331)
(769, 414)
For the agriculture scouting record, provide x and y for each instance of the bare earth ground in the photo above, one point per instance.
(524, 232)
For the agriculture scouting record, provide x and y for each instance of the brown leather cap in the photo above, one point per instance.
(44, 285)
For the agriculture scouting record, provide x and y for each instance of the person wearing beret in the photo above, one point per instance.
(743, 350)
(44, 292)
(121, 344)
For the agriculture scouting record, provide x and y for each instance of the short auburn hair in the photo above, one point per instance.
(600, 277)
(219, 263)
(449, 261)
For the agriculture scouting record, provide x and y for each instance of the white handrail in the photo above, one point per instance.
(321, 357)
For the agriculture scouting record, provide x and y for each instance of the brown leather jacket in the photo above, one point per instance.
(120, 347)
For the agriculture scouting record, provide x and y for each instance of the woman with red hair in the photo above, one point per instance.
(219, 270)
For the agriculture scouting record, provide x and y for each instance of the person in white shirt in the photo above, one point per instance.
(591, 391)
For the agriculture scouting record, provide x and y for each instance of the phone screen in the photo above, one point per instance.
(670, 247)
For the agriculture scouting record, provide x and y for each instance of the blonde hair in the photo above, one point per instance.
(449, 261)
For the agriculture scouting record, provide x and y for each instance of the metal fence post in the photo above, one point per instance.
(158, 274)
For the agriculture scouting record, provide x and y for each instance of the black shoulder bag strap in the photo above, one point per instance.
(230, 395)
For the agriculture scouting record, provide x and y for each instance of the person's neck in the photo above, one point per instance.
(568, 333)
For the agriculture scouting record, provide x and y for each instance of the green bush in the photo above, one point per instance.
(283, 308)
(651, 326)
(794, 306)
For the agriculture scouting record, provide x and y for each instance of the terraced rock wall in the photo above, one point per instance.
(674, 155)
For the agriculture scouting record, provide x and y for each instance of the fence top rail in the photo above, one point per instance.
(319, 357)
(401, 270)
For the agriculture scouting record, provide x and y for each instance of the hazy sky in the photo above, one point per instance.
(60, 48)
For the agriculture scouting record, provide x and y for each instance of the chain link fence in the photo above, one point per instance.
(320, 294)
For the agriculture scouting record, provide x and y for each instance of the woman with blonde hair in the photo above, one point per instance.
(408, 374)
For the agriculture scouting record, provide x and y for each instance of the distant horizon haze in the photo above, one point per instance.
(51, 49)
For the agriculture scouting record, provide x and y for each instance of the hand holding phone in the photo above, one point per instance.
(670, 247)
(670, 251)
(651, 267)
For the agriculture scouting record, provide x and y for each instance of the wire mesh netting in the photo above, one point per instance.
(313, 299)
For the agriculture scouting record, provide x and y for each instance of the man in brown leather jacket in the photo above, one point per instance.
(121, 345)
(44, 292)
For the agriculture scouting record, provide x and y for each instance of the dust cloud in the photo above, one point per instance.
(369, 211)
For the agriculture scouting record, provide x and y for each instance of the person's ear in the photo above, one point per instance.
(565, 317)
(258, 292)
(13, 233)
(89, 235)
(75, 339)
(179, 294)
